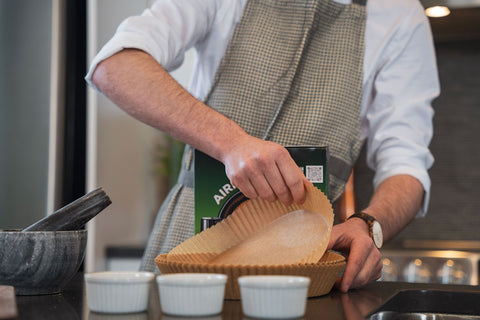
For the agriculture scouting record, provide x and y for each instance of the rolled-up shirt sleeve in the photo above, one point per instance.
(399, 118)
(165, 31)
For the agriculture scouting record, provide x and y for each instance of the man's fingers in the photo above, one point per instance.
(243, 183)
(363, 266)
(277, 184)
(355, 263)
(293, 179)
(263, 189)
(372, 269)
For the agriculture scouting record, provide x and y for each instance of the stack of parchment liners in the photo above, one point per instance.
(264, 238)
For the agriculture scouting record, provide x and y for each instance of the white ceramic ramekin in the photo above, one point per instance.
(269, 297)
(191, 294)
(118, 291)
(119, 316)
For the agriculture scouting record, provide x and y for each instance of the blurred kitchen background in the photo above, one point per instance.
(60, 139)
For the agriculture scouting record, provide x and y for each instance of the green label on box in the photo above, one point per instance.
(216, 197)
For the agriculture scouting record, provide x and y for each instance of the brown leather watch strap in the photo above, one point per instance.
(368, 220)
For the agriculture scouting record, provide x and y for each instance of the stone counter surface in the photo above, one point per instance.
(356, 304)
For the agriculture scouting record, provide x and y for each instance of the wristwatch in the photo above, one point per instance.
(374, 227)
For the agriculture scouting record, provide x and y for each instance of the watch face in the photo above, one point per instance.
(377, 234)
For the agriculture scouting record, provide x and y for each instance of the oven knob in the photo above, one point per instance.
(451, 272)
(389, 271)
(417, 271)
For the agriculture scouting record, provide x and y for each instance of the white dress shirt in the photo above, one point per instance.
(400, 77)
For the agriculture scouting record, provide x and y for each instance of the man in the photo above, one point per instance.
(275, 73)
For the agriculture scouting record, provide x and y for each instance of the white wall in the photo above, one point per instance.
(121, 151)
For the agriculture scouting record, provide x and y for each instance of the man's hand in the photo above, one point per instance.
(364, 260)
(394, 204)
(264, 169)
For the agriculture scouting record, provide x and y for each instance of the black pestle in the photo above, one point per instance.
(74, 215)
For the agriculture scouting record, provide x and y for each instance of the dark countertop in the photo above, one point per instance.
(354, 305)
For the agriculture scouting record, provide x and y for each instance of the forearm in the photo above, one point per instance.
(395, 203)
(135, 82)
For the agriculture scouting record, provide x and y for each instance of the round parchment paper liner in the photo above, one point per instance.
(322, 274)
(249, 218)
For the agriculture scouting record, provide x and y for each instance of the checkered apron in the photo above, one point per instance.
(292, 74)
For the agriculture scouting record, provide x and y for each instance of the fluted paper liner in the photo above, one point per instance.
(322, 274)
(213, 249)
(251, 218)
(296, 237)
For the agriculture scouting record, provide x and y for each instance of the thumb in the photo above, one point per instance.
(306, 181)
(333, 239)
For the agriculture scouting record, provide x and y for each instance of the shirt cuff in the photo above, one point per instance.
(119, 42)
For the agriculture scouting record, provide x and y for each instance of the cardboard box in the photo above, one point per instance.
(216, 197)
